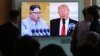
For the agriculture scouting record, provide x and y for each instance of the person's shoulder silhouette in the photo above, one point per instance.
(26, 46)
(52, 50)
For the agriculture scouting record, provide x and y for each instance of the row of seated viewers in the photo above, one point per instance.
(85, 39)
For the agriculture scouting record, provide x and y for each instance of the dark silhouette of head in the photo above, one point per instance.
(93, 38)
(95, 25)
(94, 11)
(52, 50)
(13, 15)
(91, 45)
(27, 46)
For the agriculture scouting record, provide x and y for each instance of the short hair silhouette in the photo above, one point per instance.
(27, 46)
(52, 50)
(94, 10)
(14, 14)
(32, 7)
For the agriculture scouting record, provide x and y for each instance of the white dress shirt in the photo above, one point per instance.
(66, 26)
(28, 24)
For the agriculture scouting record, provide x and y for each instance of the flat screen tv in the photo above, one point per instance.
(36, 17)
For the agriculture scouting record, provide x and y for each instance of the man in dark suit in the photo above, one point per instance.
(8, 32)
(64, 25)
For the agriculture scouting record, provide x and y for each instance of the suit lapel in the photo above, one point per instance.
(57, 25)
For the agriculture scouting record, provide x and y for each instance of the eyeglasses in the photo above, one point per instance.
(36, 12)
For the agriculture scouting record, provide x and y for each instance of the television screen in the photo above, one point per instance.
(38, 18)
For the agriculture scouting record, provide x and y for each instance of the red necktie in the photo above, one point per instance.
(63, 30)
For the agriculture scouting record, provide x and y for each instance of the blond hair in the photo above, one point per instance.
(63, 6)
